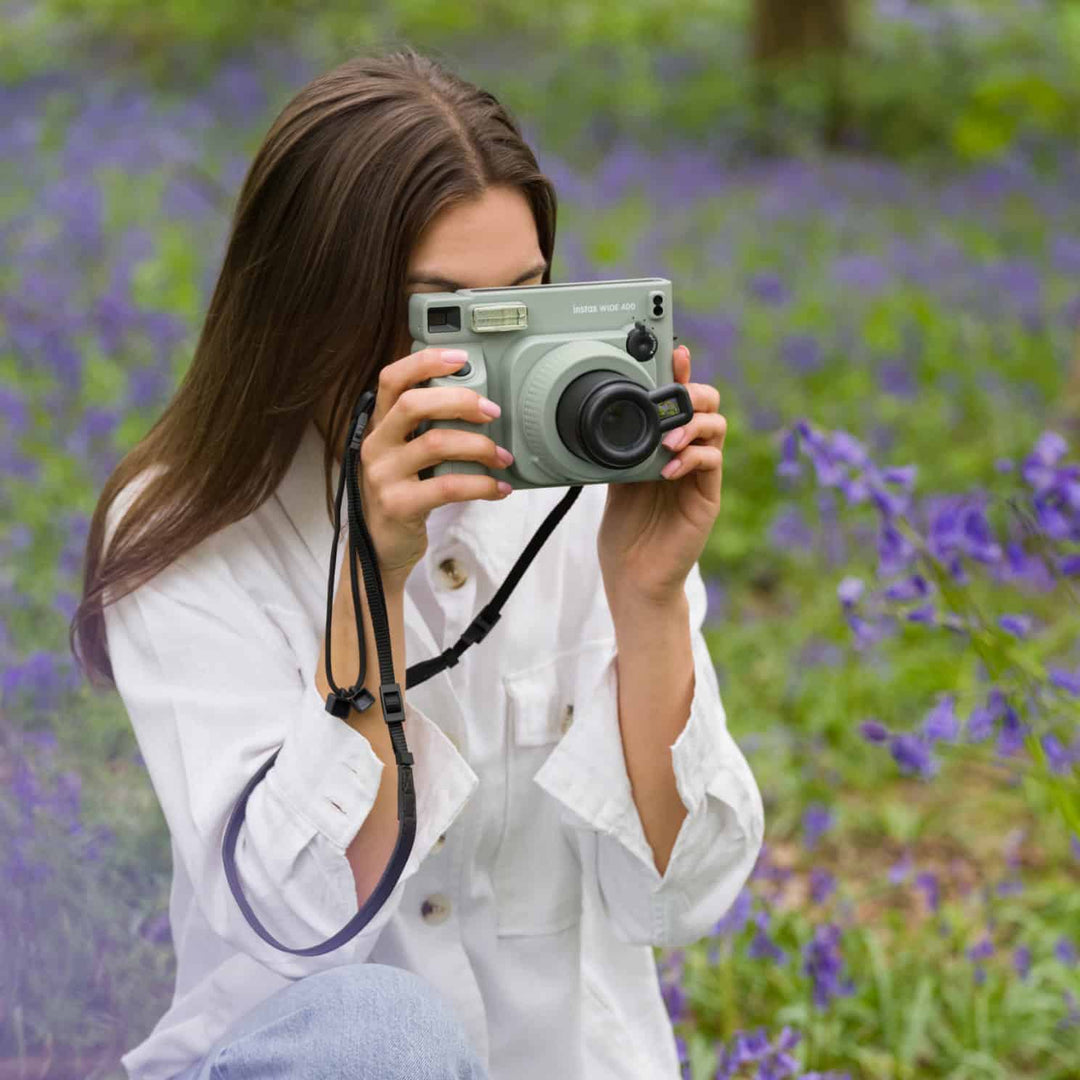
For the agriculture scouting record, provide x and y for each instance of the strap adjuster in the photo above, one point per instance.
(481, 626)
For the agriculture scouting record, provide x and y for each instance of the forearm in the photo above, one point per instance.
(655, 666)
(369, 851)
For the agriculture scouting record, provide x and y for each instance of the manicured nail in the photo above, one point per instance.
(489, 407)
(671, 468)
(454, 356)
(672, 439)
(504, 455)
(504, 487)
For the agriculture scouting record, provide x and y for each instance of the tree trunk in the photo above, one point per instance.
(789, 33)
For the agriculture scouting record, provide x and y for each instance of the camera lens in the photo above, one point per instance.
(607, 419)
(622, 423)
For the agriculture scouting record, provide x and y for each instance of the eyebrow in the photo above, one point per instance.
(453, 286)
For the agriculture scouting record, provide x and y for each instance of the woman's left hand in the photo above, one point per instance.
(653, 531)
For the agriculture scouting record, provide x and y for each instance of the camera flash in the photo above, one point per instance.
(490, 317)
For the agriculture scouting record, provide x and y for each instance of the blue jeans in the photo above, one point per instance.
(351, 1022)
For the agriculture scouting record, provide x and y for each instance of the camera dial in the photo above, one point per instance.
(641, 342)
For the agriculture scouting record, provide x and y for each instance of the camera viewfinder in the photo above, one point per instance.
(443, 320)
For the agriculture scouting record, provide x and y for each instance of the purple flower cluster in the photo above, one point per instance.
(924, 554)
(772, 1060)
(823, 962)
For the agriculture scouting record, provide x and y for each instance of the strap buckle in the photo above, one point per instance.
(481, 626)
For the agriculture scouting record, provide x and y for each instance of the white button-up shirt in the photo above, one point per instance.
(531, 899)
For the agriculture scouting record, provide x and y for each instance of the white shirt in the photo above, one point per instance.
(530, 899)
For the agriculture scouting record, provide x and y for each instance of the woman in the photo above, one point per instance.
(579, 798)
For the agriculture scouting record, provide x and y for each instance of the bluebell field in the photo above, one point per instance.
(893, 578)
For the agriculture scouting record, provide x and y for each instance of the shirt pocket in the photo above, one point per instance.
(537, 868)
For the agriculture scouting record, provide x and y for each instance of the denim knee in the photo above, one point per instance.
(356, 1021)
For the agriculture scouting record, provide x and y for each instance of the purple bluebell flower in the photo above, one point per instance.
(1058, 758)
(846, 448)
(927, 882)
(867, 634)
(895, 551)
(912, 587)
(976, 537)
(1069, 565)
(900, 869)
(913, 754)
(789, 453)
(762, 947)
(1017, 625)
(1011, 736)
(891, 504)
(1069, 681)
(849, 590)
(823, 962)
(769, 288)
(874, 731)
(817, 819)
(737, 916)
(1065, 951)
(1022, 960)
(674, 1000)
(983, 949)
(822, 884)
(941, 722)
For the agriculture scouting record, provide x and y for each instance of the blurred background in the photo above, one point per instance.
(870, 211)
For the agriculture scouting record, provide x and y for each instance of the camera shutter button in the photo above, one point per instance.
(641, 343)
(462, 372)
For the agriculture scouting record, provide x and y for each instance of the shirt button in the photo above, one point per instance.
(567, 718)
(453, 576)
(435, 909)
(439, 843)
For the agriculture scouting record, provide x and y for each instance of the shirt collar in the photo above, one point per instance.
(494, 533)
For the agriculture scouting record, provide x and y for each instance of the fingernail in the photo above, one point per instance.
(504, 487)
(504, 455)
(489, 407)
(673, 437)
(454, 356)
(670, 468)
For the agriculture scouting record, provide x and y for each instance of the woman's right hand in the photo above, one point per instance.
(396, 501)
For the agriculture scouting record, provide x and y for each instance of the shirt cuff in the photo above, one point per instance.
(586, 772)
(329, 774)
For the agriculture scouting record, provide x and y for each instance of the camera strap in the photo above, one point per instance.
(339, 701)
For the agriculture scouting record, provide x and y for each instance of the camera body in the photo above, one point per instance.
(582, 372)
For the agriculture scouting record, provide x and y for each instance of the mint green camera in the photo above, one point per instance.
(582, 372)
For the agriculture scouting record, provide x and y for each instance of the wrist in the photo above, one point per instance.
(633, 609)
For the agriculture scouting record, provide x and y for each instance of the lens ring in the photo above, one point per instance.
(634, 446)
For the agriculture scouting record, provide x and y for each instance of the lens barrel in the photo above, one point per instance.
(607, 419)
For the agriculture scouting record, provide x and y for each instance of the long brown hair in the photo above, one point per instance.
(310, 302)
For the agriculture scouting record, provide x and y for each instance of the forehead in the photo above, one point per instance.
(492, 234)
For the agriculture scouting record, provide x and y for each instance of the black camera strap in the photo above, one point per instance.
(339, 701)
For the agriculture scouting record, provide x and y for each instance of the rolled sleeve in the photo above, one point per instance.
(213, 689)
(720, 837)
